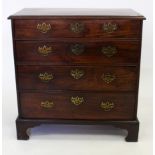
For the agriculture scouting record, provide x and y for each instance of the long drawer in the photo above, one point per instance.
(78, 105)
(103, 52)
(77, 78)
(46, 29)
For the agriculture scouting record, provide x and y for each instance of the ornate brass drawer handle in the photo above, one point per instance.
(45, 77)
(77, 100)
(109, 27)
(44, 50)
(77, 27)
(76, 73)
(77, 49)
(107, 106)
(43, 28)
(47, 104)
(108, 78)
(109, 51)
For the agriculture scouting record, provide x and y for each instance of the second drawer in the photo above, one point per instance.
(100, 52)
(77, 78)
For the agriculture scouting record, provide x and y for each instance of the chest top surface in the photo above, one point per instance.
(68, 12)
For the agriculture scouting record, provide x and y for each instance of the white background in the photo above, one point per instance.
(77, 140)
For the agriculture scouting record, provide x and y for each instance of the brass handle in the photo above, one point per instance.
(77, 49)
(108, 78)
(109, 51)
(107, 106)
(43, 28)
(77, 100)
(44, 50)
(45, 77)
(109, 27)
(77, 73)
(77, 27)
(47, 104)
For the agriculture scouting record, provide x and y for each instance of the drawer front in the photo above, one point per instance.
(105, 52)
(69, 105)
(45, 29)
(77, 78)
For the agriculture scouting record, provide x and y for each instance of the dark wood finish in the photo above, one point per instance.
(124, 64)
(92, 29)
(125, 78)
(62, 54)
(63, 108)
(82, 13)
(132, 126)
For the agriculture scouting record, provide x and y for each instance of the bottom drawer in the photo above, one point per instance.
(78, 105)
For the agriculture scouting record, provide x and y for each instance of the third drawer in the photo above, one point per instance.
(93, 78)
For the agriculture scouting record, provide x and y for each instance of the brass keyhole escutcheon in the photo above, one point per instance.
(44, 50)
(109, 51)
(109, 27)
(77, 100)
(43, 28)
(77, 73)
(45, 77)
(107, 106)
(77, 49)
(47, 104)
(77, 27)
(108, 77)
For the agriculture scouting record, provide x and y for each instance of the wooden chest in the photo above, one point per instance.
(77, 66)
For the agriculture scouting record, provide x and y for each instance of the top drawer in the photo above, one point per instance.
(73, 28)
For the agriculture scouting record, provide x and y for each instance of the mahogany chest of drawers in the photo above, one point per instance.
(77, 66)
